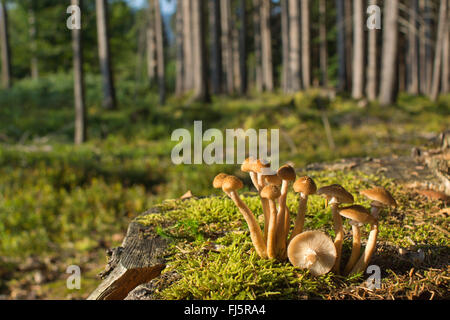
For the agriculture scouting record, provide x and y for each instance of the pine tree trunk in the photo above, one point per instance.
(257, 44)
(4, 42)
(295, 80)
(33, 45)
(446, 59)
(341, 35)
(442, 30)
(323, 43)
(151, 45)
(413, 48)
(79, 94)
(266, 44)
(243, 46)
(285, 45)
(372, 64)
(428, 22)
(348, 44)
(389, 56)
(216, 54)
(201, 92)
(187, 44)
(179, 85)
(358, 49)
(159, 31)
(109, 95)
(227, 49)
(306, 46)
(236, 53)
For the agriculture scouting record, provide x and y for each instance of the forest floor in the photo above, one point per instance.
(62, 205)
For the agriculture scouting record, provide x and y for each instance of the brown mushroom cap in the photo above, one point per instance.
(358, 214)
(380, 195)
(248, 165)
(312, 250)
(218, 180)
(336, 191)
(305, 185)
(286, 172)
(259, 165)
(232, 183)
(276, 180)
(270, 192)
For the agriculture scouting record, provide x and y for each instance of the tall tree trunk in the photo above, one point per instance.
(216, 54)
(413, 48)
(306, 46)
(4, 41)
(442, 30)
(285, 43)
(348, 43)
(372, 65)
(151, 45)
(179, 85)
(32, 29)
(236, 53)
(227, 49)
(78, 74)
(266, 44)
(109, 95)
(187, 44)
(358, 49)
(428, 23)
(295, 80)
(446, 59)
(243, 46)
(323, 43)
(257, 44)
(159, 32)
(390, 43)
(341, 35)
(200, 85)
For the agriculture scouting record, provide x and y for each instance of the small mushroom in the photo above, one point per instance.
(262, 168)
(312, 250)
(336, 195)
(230, 186)
(271, 193)
(304, 186)
(380, 198)
(249, 166)
(218, 181)
(287, 174)
(358, 216)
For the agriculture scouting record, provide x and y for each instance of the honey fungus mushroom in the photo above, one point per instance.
(336, 195)
(358, 216)
(312, 250)
(271, 193)
(304, 186)
(230, 186)
(381, 198)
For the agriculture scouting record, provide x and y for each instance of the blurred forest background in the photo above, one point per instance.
(86, 115)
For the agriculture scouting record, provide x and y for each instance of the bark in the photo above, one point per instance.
(358, 49)
(187, 46)
(442, 30)
(446, 60)
(201, 92)
(413, 48)
(5, 49)
(151, 46)
(348, 43)
(341, 40)
(159, 31)
(266, 44)
(179, 85)
(428, 24)
(79, 89)
(243, 46)
(285, 43)
(295, 80)
(306, 46)
(390, 42)
(323, 43)
(109, 95)
(227, 49)
(372, 65)
(257, 44)
(216, 55)
(236, 53)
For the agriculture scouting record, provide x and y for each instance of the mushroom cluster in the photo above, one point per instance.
(313, 250)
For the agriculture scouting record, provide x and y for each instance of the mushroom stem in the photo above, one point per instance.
(300, 220)
(281, 220)
(271, 237)
(255, 231)
(375, 211)
(339, 235)
(254, 177)
(364, 260)
(356, 248)
(266, 212)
